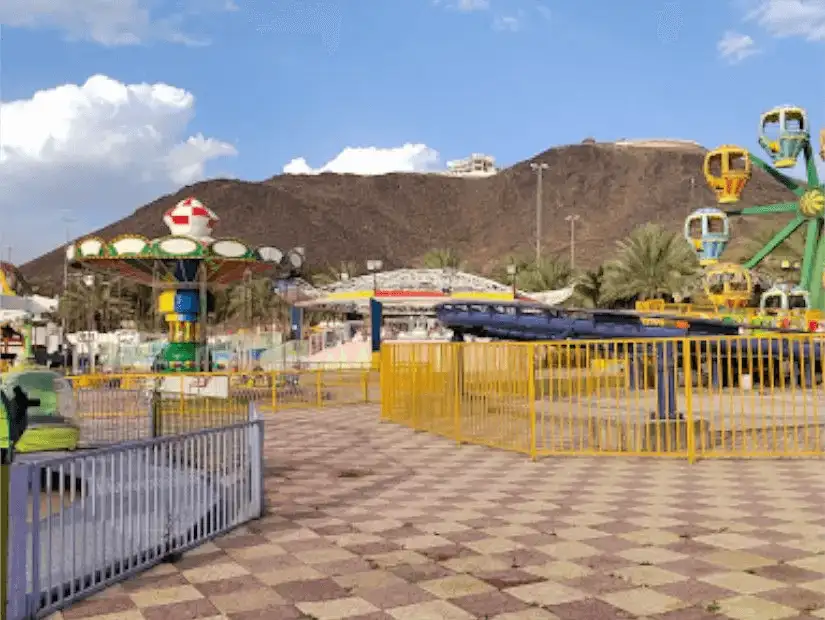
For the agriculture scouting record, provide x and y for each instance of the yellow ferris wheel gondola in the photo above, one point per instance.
(727, 171)
(728, 285)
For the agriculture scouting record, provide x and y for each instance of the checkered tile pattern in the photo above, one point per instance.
(370, 521)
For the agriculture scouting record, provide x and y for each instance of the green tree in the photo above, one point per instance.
(253, 302)
(336, 273)
(549, 274)
(98, 305)
(442, 258)
(651, 263)
(588, 288)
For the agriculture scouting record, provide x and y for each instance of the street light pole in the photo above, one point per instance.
(572, 219)
(67, 219)
(539, 169)
(512, 271)
(374, 266)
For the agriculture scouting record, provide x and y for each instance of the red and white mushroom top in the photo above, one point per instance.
(190, 218)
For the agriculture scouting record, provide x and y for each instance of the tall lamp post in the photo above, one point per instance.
(572, 219)
(539, 169)
(512, 271)
(374, 266)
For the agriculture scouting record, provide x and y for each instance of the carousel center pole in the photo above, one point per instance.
(203, 349)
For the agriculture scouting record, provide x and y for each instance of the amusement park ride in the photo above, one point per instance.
(785, 136)
(186, 266)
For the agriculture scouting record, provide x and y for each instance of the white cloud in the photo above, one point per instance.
(465, 6)
(508, 23)
(473, 5)
(788, 18)
(99, 150)
(735, 47)
(372, 160)
(112, 23)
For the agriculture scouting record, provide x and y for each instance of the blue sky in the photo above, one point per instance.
(283, 80)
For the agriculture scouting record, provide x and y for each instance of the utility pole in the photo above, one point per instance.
(67, 220)
(539, 169)
(572, 219)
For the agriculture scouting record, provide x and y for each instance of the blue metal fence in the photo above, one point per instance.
(81, 522)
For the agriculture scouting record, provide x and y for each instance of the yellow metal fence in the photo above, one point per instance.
(685, 398)
(121, 407)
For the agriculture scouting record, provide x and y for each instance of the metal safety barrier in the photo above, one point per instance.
(83, 522)
(747, 396)
(115, 408)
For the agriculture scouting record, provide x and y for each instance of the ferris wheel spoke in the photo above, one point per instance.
(775, 241)
(796, 187)
(810, 166)
(811, 236)
(779, 207)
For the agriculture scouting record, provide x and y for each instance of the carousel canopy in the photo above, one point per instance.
(180, 256)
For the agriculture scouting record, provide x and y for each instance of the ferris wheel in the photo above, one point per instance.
(784, 134)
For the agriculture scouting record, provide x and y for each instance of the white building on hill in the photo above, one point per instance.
(476, 165)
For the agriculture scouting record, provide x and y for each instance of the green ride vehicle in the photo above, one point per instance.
(49, 419)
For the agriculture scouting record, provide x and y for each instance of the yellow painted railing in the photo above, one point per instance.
(691, 398)
(221, 396)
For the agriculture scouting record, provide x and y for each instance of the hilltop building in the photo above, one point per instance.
(476, 165)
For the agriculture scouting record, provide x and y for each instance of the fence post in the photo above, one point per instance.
(319, 396)
(155, 410)
(365, 378)
(256, 462)
(531, 397)
(386, 374)
(5, 479)
(16, 574)
(687, 362)
(455, 347)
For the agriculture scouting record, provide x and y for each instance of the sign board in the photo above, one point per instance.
(201, 385)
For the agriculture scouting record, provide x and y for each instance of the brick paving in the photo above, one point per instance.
(370, 521)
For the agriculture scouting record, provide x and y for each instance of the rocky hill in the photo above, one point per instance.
(613, 187)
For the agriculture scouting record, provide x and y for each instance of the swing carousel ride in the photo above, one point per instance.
(784, 135)
(186, 266)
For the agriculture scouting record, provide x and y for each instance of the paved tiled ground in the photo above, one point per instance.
(370, 522)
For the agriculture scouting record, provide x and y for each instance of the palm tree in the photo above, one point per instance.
(652, 263)
(98, 305)
(442, 258)
(588, 288)
(254, 302)
(548, 274)
(335, 273)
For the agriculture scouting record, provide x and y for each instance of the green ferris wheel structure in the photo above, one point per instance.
(785, 136)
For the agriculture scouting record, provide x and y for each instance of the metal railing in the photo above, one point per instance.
(112, 408)
(83, 522)
(692, 398)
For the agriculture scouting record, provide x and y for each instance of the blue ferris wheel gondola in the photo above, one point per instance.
(708, 231)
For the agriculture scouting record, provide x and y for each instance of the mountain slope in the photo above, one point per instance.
(398, 217)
